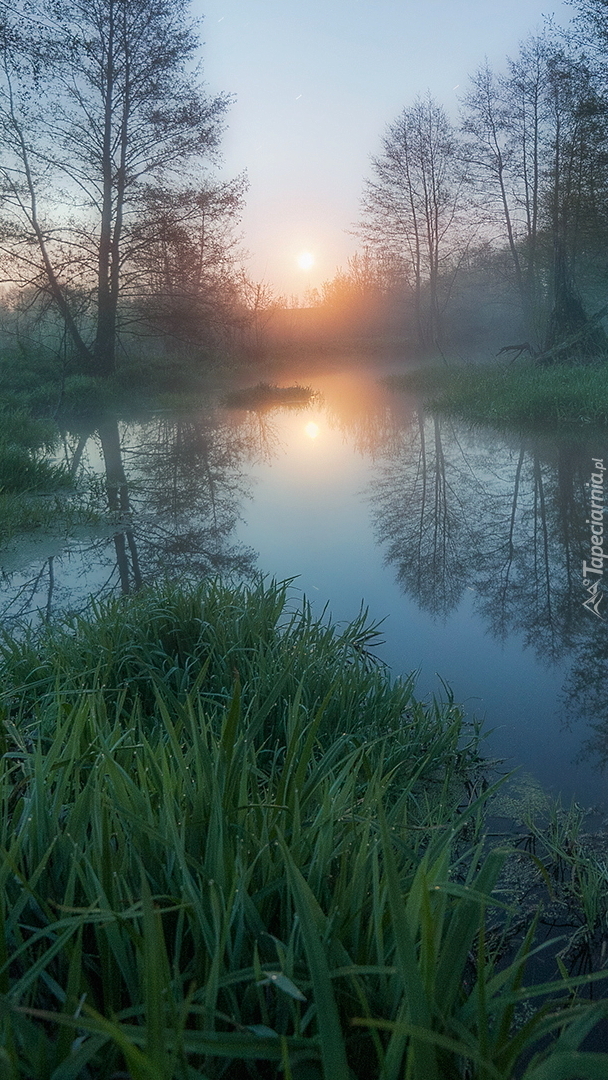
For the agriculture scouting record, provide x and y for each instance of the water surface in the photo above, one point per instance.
(470, 543)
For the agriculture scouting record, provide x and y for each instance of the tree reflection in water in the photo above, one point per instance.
(173, 489)
(187, 489)
(505, 518)
(420, 519)
(119, 504)
(495, 518)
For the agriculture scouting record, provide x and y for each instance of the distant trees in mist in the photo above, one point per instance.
(411, 206)
(498, 225)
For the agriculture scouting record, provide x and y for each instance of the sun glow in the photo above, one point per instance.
(312, 430)
(306, 260)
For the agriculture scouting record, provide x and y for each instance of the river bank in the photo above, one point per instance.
(232, 836)
(521, 394)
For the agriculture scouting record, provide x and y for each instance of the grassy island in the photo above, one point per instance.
(234, 846)
(265, 395)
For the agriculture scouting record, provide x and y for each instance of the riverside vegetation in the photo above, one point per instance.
(26, 474)
(36, 397)
(234, 846)
(563, 394)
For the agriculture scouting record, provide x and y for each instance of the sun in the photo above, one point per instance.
(306, 260)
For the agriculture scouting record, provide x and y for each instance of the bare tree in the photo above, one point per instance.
(259, 304)
(410, 205)
(501, 125)
(98, 100)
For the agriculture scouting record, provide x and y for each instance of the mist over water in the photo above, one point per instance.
(468, 542)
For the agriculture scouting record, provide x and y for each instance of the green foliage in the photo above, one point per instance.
(40, 384)
(26, 473)
(23, 441)
(200, 638)
(20, 471)
(575, 867)
(83, 395)
(157, 372)
(232, 846)
(522, 394)
(19, 428)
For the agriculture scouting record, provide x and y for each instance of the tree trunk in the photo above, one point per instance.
(568, 318)
(104, 348)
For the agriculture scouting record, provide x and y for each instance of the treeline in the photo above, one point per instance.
(117, 238)
(495, 227)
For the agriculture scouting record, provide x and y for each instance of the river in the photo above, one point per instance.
(468, 542)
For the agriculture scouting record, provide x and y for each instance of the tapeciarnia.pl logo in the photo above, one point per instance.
(596, 521)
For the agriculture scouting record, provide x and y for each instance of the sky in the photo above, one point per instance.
(315, 84)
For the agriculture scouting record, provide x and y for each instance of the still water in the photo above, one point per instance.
(468, 543)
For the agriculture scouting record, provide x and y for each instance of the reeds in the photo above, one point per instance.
(232, 847)
(574, 866)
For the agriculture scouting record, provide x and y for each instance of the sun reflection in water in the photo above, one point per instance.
(312, 430)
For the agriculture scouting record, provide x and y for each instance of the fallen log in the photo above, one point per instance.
(562, 346)
(517, 349)
(573, 339)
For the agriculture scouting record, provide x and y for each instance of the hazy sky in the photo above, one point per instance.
(316, 82)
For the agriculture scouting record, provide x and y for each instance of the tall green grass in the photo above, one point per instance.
(233, 847)
(26, 473)
(565, 394)
(574, 865)
(39, 379)
(24, 441)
